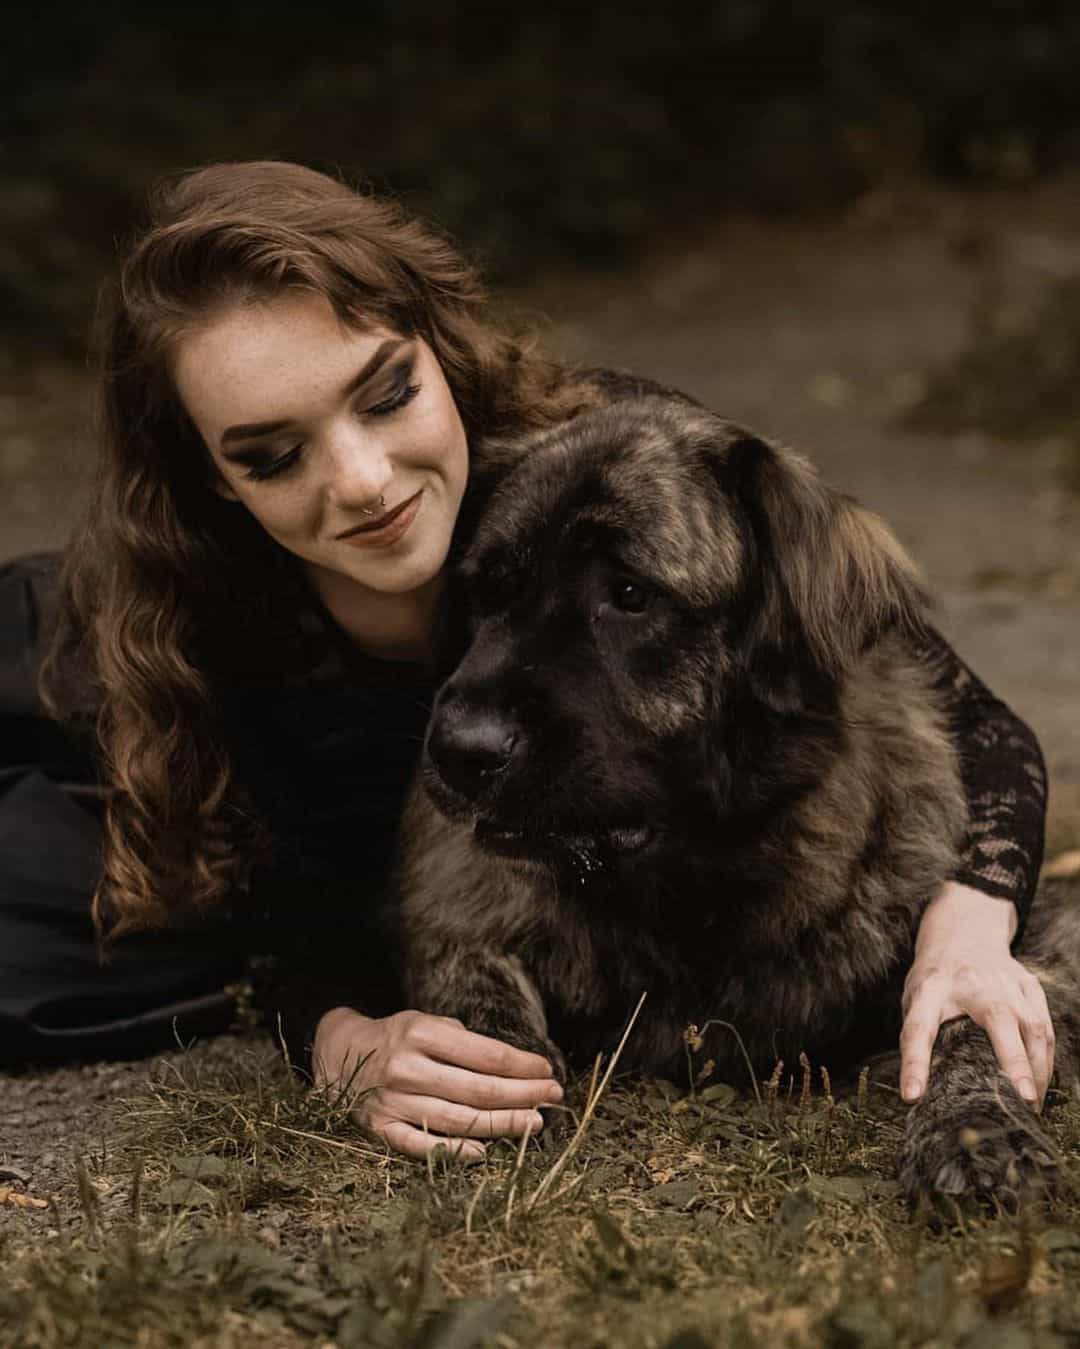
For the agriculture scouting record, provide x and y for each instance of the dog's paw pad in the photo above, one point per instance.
(1000, 1161)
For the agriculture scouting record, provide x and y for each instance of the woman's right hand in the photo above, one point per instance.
(423, 1082)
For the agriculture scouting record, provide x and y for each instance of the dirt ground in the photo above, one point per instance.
(818, 335)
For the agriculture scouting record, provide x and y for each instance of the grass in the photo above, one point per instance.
(227, 1206)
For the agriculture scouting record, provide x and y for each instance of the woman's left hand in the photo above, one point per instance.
(963, 967)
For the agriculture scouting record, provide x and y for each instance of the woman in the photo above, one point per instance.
(295, 378)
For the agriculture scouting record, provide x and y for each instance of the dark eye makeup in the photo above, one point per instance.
(260, 466)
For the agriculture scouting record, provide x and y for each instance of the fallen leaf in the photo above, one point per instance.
(792, 1218)
(1004, 1278)
(202, 1167)
(720, 1094)
(1065, 866)
(860, 1325)
(1060, 1239)
(675, 1193)
(17, 1200)
(185, 1194)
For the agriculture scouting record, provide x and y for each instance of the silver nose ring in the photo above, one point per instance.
(374, 510)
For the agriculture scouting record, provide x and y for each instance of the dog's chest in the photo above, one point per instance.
(591, 970)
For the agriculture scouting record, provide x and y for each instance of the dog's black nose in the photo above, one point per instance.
(469, 750)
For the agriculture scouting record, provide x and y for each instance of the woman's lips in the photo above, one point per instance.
(386, 530)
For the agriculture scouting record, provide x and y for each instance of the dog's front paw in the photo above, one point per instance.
(989, 1144)
(523, 1037)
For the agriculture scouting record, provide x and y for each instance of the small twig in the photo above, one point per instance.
(89, 1199)
(519, 1162)
(473, 1203)
(727, 1025)
(772, 1086)
(333, 1142)
(596, 1091)
(136, 1190)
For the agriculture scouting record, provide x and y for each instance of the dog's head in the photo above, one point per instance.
(658, 610)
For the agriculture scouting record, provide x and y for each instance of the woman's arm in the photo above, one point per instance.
(963, 964)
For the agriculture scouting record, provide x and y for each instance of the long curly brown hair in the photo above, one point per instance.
(169, 590)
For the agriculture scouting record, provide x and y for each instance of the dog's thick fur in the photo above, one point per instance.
(689, 749)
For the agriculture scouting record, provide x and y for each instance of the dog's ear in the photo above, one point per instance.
(829, 575)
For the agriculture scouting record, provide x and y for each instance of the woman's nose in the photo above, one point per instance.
(361, 470)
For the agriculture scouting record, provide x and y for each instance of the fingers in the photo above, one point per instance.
(1003, 1027)
(476, 1090)
(418, 1126)
(917, 1043)
(458, 1121)
(448, 1040)
(1037, 1031)
(414, 1142)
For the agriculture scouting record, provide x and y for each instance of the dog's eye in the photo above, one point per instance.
(629, 597)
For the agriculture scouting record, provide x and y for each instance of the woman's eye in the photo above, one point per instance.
(629, 597)
(260, 472)
(399, 399)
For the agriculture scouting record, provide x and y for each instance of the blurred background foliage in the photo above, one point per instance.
(1019, 376)
(539, 136)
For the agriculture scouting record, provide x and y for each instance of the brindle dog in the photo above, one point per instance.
(689, 749)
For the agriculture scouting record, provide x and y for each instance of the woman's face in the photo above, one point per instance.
(312, 426)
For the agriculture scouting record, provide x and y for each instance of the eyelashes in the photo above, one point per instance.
(398, 400)
(260, 472)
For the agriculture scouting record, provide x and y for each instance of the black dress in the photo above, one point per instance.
(328, 759)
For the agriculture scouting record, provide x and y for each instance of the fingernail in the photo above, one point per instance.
(1028, 1092)
(554, 1092)
(910, 1088)
(536, 1122)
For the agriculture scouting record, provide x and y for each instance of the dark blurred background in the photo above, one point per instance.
(852, 225)
(536, 134)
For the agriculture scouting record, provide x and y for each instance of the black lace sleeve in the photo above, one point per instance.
(1004, 779)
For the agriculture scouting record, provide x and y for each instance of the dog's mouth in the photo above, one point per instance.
(594, 851)
(591, 849)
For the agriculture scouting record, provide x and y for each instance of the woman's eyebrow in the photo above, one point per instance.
(371, 367)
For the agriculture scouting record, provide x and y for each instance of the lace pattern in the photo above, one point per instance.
(1004, 779)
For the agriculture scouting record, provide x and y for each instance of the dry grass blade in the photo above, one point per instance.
(596, 1091)
(358, 1150)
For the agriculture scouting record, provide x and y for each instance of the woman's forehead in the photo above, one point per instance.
(284, 351)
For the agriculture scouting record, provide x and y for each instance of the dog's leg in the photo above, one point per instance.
(972, 1132)
(487, 990)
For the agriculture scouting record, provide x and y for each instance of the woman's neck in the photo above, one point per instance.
(390, 627)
